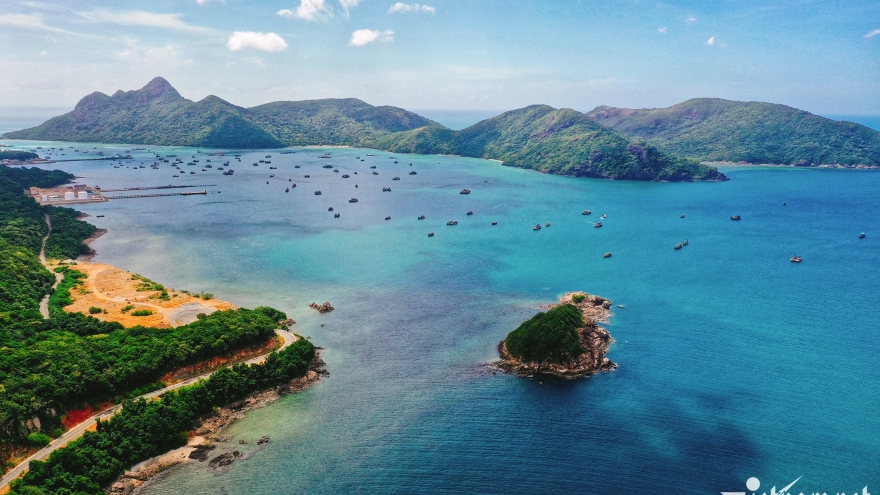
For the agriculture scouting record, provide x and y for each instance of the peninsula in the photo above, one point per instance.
(565, 341)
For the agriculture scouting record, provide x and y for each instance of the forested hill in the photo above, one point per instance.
(558, 141)
(712, 129)
(157, 114)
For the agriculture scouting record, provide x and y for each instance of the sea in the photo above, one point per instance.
(734, 363)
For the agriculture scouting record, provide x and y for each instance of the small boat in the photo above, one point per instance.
(229, 172)
(371, 154)
(681, 216)
(796, 259)
(537, 226)
(375, 173)
(296, 166)
(100, 216)
(330, 209)
(273, 168)
(736, 217)
(603, 217)
(413, 173)
(345, 176)
(678, 246)
(267, 182)
(178, 175)
(430, 234)
(328, 166)
(203, 170)
(287, 189)
(353, 200)
(494, 223)
(548, 224)
(307, 176)
(386, 189)
(335, 170)
(294, 185)
(421, 217)
(192, 173)
(336, 215)
(271, 175)
(686, 242)
(862, 235)
(464, 191)
(256, 164)
(586, 212)
(607, 255)
(388, 217)
(395, 178)
(597, 225)
(452, 222)
(372, 166)
(317, 193)
(267, 156)
(470, 213)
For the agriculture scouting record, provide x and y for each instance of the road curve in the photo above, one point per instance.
(78, 430)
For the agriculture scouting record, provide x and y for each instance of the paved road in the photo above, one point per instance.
(79, 429)
(44, 303)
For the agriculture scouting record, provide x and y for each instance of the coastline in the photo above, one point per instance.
(208, 434)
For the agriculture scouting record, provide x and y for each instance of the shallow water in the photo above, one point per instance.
(734, 362)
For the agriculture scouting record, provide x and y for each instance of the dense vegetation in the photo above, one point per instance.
(538, 137)
(560, 141)
(65, 242)
(550, 337)
(145, 429)
(712, 129)
(17, 155)
(157, 114)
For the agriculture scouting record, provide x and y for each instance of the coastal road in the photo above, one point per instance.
(78, 430)
(44, 303)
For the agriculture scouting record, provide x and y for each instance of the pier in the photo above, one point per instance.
(156, 187)
(185, 193)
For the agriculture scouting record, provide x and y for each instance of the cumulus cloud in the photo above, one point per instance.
(691, 20)
(873, 33)
(348, 4)
(402, 8)
(29, 21)
(363, 36)
(139, 18)
(268, 42)
(711, 41)
(661, 30)
(310, 10)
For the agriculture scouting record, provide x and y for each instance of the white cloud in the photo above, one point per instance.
(873, 33)
(691, 20)
(163, 56)
(363, 36)
(43, 53)
(711, 41)
(268, 42)
(402, 8)
(205, 2)
(348, 4)
(310, 10)
(139, 18)
(661, 30)
(28, 21)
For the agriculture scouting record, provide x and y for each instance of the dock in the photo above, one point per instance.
(157, 187)
(185, 193)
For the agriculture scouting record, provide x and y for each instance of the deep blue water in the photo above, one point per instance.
(734, 362)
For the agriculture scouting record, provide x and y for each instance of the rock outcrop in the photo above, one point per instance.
(322, 308)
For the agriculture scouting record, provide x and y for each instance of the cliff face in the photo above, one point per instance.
(594, 341)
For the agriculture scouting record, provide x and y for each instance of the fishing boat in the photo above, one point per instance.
(353, 200)
(229, 172)
(586, 212)
(430, 234)
(296, 166)
(271, 168)
(271, 175)
(308, 176)
(395, 178)
(597, 225)
(464, 191)
(371, 154)
(470, 213)
(603, 216)
(736, 218)
(607, 255)
(681, 216)
(421, 217)
(862, 235)
(537, 226)
(372, 166)
(317, 193)
(686, 242)
(548, 224)
(330, 209)
(327, 166)
(345, 176)
(494, 223)
(287, 189)
(386, 189)
(678, 246)
(388, 217)
(336, 215)
(413, 172)
(796, 259)
(375, 173)
(336, 170)
(178, 175)
(452, 222)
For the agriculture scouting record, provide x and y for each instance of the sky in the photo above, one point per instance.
(820, 56)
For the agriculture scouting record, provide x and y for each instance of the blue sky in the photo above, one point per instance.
(448, 54)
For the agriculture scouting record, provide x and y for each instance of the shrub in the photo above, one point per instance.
(127, 308)
(95, 310)
(548, 337)
(206, 296)
(142, 312)
(578, 298)
(38, 439)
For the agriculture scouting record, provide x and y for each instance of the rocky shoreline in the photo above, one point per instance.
(209, 433)
(595, 338)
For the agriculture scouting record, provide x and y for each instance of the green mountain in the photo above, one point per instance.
(157, 114)
(557, 141)
(712, 129)
(538, 137)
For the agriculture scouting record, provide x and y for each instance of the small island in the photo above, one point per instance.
(565, 341)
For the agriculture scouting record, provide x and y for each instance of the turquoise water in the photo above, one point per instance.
(734, 362)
